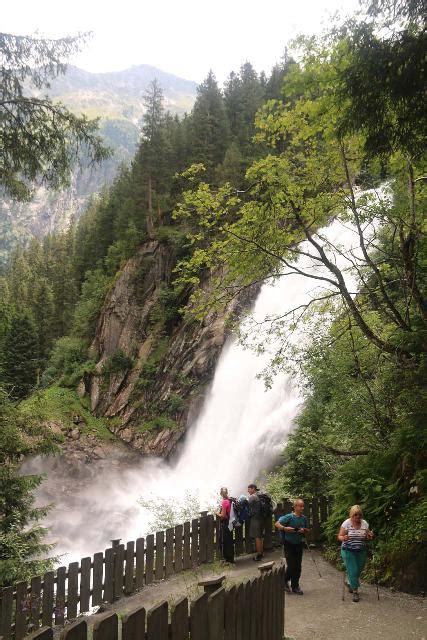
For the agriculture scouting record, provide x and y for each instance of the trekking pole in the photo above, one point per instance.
(375, 576)
(312, 557)
(343, 585)
(375, 571)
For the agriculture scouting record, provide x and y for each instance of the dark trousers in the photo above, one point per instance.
(293, 555)
(226, 542)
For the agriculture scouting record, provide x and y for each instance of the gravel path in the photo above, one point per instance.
(320, 614)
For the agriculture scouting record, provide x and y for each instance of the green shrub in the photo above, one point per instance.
(117, 363)
(176, 238)
(165, 312)
(173, 404)
(94, 290)
(158, 423)
(68, 361)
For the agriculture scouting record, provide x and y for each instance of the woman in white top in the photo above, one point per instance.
(354, 534)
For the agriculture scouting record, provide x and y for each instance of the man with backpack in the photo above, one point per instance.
(261, 510)
(293, 527)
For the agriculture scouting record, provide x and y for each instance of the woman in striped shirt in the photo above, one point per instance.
(354, 534)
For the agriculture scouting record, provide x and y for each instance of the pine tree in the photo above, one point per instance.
(152, 143)
(21, 537)
(243, 95)
(43, 314)
(21, 357)
(40, 139)
(209, 126)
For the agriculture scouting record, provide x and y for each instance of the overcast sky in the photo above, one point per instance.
(186, 37)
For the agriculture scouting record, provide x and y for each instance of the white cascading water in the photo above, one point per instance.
(239, 433)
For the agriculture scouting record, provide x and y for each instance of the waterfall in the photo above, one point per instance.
(240, 432)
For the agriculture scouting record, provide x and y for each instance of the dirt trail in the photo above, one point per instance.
(320, 614)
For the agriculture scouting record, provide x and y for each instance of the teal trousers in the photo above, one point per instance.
(354, 562)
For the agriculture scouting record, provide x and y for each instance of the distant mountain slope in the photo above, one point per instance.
(116, 97)
(119, 94)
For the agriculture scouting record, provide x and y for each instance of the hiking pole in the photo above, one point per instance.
(375, 571)
(375, 576)
(312, 557)
(343, 585)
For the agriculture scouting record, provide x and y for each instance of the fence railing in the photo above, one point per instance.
(254, 610)
(63, 594)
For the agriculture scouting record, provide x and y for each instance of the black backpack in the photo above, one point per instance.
(241, 509)
(266, 505)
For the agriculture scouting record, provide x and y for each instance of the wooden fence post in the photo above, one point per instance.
(157, 622)
(268, 538)
(180, 622)
(216, 603)
(85, 575)
(178, 548)
(149, 559)
(203, 537)
(194, 542)
(35, 601)
(98, 574)
(240, 612)
(48, 594)
(129, 570)
(140, 563)
(133, 624)
(199, 617)
(73, 590)
(75, 631)
(210, 538)
(44, 633)
(119, 561)
(21, 610)
(169, 566)
(160, 554)
(186, 555)
(109, 575)
(60, 595)
(6, 612)
(106, 627)
(230, 614)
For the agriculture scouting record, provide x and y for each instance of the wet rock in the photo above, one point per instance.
(127, 435)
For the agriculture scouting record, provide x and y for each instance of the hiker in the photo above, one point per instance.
(354, 534)
(225, 534)
(261, 510)
(293, 527)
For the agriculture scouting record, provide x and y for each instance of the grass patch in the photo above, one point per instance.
(158, 423)
(61, 404)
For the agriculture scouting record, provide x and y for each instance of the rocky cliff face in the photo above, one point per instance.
(152, 377)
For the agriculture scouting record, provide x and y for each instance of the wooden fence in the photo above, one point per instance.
(251, 611)
(63, 594)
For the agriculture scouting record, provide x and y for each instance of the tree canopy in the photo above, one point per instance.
(41, 140)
